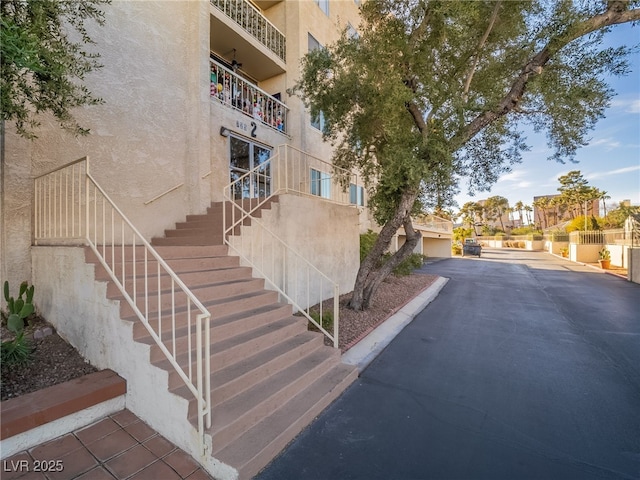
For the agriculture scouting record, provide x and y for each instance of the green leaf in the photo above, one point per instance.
(6, 290)
(15, 323)
(27, 310)
(17, 306)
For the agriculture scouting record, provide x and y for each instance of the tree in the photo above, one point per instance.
(42, 67)
(528, 210)
(519, 207)
(439, 86)
(496, 207)
(604, 196)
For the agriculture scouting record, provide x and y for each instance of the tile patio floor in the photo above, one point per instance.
(120, 446)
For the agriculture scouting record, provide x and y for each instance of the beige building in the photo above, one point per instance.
(130, 244)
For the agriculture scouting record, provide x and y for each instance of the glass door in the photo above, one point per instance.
(244, 156)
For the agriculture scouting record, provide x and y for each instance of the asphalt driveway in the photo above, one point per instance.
(526, 366)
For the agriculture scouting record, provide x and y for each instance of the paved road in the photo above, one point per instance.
(526, 366)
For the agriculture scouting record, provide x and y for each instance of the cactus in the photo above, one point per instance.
(18, 309)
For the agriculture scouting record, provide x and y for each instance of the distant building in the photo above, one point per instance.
(555, 214)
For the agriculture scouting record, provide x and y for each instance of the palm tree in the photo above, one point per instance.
(528, 210)
(519, 206)
(604, 197)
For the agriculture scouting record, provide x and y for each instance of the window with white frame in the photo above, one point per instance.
(320, 183)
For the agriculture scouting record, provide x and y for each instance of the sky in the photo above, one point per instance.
(611, 160)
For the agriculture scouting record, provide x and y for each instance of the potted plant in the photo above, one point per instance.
(605, 258)
(564, 252)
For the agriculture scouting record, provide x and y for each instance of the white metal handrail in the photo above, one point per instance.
(289, 272)
(255, 23)
(434, 222)
(71, 207)
(238, 93)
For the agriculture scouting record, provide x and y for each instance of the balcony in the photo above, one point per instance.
(236, 92)
(253, 22)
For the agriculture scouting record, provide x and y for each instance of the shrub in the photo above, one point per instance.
(326, 321)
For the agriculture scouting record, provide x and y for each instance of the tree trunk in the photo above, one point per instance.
(377, 277)
(362, 290)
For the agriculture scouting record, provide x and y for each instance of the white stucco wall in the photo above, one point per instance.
(151, 133)
(324, 233)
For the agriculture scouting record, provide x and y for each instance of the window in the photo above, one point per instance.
(318, 121)
(356, 195)
(312, 43)
(352, 32)
(320, 184)
(324, 6)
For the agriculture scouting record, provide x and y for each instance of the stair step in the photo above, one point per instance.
(191, 240)
(177, 301)
(257, 446)
(239, 376)
(194, 280)
(167, 253)
(229, 325)
(236, 415)
(222, 327)
(228, 352)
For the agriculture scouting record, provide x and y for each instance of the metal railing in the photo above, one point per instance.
(589, 237)
(242, 95)
(287, 271)
(71, 208)
(434, 223)
(255, 23)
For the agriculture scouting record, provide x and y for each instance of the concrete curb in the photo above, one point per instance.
(363, 353)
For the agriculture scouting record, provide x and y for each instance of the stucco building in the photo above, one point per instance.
(199, 151)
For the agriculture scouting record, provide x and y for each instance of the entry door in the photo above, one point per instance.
(244, 156)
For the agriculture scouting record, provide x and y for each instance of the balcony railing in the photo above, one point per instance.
(242, 95)
(254, 23)
(434, 222)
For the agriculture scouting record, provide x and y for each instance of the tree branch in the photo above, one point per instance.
(616, 14)
(483, 40)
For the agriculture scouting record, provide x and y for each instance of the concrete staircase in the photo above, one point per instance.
(270, 376)
(206, 229)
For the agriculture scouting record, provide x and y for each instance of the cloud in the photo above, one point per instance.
(626, 105)
(609, 173)
(608, 143)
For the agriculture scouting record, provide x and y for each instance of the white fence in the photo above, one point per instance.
(71, 208)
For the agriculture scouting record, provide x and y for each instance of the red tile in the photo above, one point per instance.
(199, 474)
(111, 445)
(98, 430)
(140, 431)
(56, 448)
(181, 463)
(124, 417)
(130, 462)
(98, 473)
(30, 476)
(16, 466)
(159, 445)
(73, 465)
(156, 471)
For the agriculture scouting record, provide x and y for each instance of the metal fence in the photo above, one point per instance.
(255, 23)
(70, 207)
